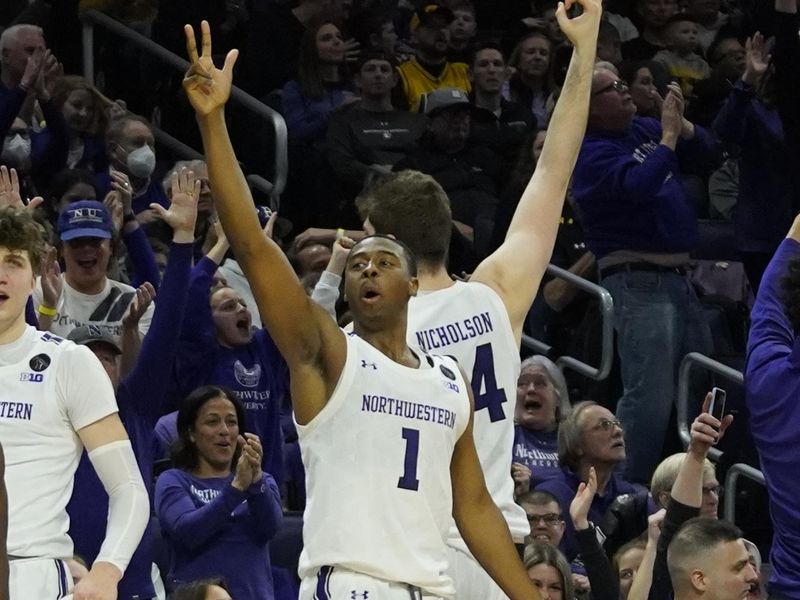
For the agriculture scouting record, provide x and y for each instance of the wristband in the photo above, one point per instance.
(340, 233)
(47, 312)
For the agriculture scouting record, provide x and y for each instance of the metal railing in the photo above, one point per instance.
(607, 343)
(731, 479)
(687, 364)
(274, 189)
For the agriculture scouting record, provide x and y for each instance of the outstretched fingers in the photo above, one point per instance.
(191, 43)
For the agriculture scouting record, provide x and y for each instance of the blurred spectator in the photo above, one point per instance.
(217, 508)
(369, 137)
(218, 346)
(645, 79)
(131, 150)
(68, 186)
(726, 57)
(609, 44)
(544, 514)
(589, 437)
(709, 19)
(653, 16)
(469, 175)
(641, 225)
(771, 388)
(205, 203)
(750, 120)
(321, 87)
(83, 294)
(626, 563)
(22, 49)
(708, 559)
(207, 589)
(462, 30)
(680, 57)
(273, 39)
(429, 70)
(667, 472)
(549, 571)
(374, 30)
(532, 84)
(16, 153)
(496, 123)
(83, 110)
(542, 403)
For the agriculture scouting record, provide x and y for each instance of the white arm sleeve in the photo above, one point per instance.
(326, 292)
(128, 503)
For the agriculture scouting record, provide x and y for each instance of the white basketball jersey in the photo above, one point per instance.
(49, 389)
(470, 322)
(377, 459)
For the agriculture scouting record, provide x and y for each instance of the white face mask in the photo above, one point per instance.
(16, 151)
(141, 162)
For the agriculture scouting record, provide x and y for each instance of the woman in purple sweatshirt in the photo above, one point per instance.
(218, 509)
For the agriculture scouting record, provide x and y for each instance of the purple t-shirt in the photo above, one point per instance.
(537, 450)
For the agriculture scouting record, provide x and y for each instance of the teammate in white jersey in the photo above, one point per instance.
(351, 394)
(56, 399)
(480, 322)
(3, 529)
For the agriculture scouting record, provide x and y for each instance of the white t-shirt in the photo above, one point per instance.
(49, 389)
(105, 309)
(377, 461)
(470, 322)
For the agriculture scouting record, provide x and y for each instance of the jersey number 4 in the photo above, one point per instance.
(483, 379)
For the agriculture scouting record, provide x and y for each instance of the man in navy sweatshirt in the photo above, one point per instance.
(772, 387)
(640, 224)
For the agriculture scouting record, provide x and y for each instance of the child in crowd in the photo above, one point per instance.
(680, 58)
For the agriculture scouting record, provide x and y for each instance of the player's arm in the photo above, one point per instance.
(3, 529)
(111, 455)
(515, 269)
(311, 343)
(480, 521)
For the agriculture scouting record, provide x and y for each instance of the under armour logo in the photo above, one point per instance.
(354, 594)
(364, 365)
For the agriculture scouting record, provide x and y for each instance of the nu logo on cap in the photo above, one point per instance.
(86, 214)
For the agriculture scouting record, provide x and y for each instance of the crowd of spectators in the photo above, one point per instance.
(693, 128)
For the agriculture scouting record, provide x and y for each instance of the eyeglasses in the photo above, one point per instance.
(547, 519)
(618, 85)
(714, 489)
(607, 424)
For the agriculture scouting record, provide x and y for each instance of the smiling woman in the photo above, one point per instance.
(218, 509)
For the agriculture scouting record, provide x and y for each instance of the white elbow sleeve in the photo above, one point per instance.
(128, 503)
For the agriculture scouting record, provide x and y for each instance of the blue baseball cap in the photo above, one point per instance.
(85, 218)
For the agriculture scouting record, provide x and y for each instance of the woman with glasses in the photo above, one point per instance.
(542, 402)
(590, 437)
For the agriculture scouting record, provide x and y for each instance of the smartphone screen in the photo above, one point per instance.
(717, 408)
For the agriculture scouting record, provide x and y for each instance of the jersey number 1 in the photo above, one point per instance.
(483, 377)
(409, 479)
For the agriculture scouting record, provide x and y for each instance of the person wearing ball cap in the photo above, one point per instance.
(83, 294)
(429, 70)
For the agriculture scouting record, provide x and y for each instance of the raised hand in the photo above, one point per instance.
(52, 284)
(145, 294)
(706, 430)
(522, 478)
(182, 212)
(654, 523)
(269, 226)
(50, 71)
(114, 205)
(756, 59)
(255, 455)
(352, 50)
(582, 502)
(9, 191)
(672, 114)
(243, 477)
(121, 184)
(207, 87)
(33, 68)
(582, 30)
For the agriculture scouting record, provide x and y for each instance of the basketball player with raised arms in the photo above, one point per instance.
(56, 399)
(386, 433)
(480, 322)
